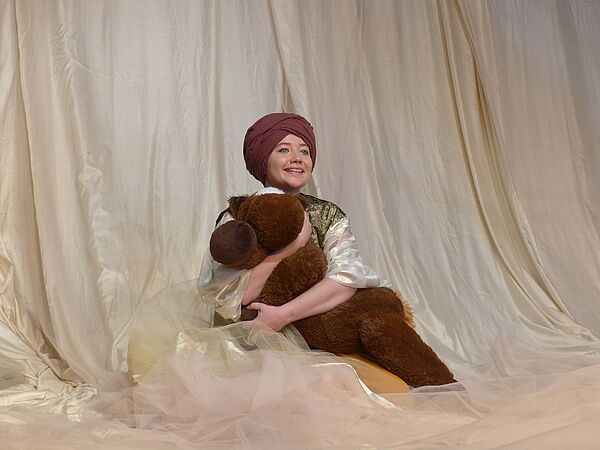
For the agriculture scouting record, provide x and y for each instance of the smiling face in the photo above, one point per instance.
(290, 165)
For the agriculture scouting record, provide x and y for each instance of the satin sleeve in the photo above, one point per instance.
(345, 265)
(222, 286)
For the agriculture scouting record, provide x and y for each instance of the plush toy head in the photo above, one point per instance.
(264, 222)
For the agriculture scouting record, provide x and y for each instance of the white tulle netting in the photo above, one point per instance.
(241, 386)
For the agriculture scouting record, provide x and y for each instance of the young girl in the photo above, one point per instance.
(280, 151)
(240, 385)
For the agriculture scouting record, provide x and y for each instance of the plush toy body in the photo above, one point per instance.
(373, 321)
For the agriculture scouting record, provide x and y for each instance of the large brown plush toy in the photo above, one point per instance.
(373, 321)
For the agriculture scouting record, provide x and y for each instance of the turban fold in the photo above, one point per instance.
(262, 137)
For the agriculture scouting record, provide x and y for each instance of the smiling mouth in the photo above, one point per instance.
(294, 170)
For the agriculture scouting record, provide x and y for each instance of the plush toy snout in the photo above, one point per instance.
(233, 243)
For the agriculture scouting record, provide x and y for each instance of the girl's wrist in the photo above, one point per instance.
(282, 253)
(274, 258)
(287, 314)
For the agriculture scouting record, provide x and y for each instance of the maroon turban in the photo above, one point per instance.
(262, 137)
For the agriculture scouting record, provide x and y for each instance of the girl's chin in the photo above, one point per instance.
(298, 183)
(290, 185)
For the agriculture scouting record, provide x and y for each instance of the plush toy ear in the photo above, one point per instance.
(233, 243)
(235, 203)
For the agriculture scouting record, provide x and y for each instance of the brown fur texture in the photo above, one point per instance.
(375, 322)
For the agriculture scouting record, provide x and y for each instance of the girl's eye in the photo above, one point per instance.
(283, 150)
(304, 152)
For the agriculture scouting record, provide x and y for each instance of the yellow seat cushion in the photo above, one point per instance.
(374, 376)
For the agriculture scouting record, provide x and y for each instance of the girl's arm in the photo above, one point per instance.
(345, 274)
(322, 297)
(258, 278)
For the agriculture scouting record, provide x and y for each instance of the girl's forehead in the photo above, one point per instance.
(292, 139)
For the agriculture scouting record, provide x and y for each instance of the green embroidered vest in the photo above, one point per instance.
(322, 214)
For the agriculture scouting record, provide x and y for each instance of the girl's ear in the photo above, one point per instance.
(235, 203)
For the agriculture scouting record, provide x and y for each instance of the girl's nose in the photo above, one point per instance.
(295, 155)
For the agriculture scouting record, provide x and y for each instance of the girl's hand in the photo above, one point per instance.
(275, 317)
(297, 243)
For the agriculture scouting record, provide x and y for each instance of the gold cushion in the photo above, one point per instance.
(374, 376)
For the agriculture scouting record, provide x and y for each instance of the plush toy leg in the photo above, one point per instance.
(397, 347)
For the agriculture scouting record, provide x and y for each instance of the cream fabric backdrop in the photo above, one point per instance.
(459, 136)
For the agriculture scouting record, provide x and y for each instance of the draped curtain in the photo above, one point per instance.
(459, 136)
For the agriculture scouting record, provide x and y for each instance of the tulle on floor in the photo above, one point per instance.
(241, 386)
